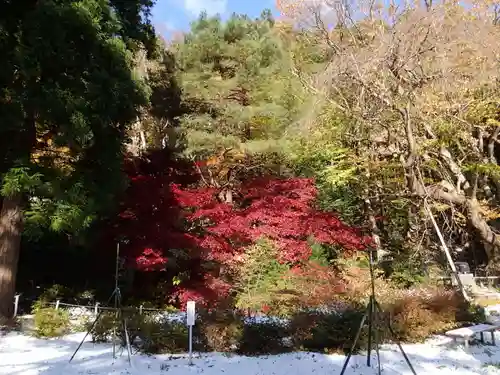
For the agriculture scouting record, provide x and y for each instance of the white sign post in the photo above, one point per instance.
(190, 319)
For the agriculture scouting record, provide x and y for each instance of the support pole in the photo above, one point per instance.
(116, 295)
(190, 345)
(447, 252)
(116, 299)
(372, 310)
(16, 304)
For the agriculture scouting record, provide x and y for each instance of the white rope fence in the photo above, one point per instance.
(97, 306)
(94, 308)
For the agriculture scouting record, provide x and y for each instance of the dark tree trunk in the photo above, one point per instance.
(11, 226)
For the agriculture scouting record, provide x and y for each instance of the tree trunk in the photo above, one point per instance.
(11, 226)
(375, 231)
(490, 239)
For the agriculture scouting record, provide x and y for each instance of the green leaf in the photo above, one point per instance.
(20, 180)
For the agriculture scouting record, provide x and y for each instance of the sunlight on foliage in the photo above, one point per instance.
(20, 180)
(261, 278)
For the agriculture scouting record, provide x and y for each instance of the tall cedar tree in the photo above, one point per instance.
(67, 97)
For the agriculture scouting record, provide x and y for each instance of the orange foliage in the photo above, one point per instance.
(47, 152)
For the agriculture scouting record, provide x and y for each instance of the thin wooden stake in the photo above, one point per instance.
(446, 251)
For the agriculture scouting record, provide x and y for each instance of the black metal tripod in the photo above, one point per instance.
(118, 316)
(371, 312)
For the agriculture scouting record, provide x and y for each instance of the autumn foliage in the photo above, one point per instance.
(280, 210)
(169, 224)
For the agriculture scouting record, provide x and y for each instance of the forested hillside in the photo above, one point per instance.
(248, 162)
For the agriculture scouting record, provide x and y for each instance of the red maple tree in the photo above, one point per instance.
(150, 222)
(163, 216)
(281, 210)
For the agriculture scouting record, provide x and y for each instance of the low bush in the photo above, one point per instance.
(151, 334)
(50, 322)
(416, 317)
(220, 331)
(227, 331)
(328, 332)
(413, 321)
(263, 338)
(476, 314)
(163, 336)
(108, 322)
(103, 327)
(52, 293)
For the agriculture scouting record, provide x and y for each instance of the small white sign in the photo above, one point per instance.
(191, 313)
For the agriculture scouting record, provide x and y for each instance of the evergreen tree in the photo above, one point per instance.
(67, 96)
(237, 84)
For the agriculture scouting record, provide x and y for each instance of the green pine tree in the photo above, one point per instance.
(236, 80)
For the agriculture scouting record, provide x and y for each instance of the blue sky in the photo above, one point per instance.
(171, 15)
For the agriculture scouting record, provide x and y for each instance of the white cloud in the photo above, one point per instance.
(212, 7)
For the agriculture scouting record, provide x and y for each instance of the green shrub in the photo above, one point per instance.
(156, 335)
(162, 336)
(262, 281)
(469, 313)
(135, 324)
(54, 292)
(169, 309)
(85, 297)
(109, 322)
(263, 338)
(50, 322)
(103, 327)
(328, 332)
(475, 314)
(406, 272)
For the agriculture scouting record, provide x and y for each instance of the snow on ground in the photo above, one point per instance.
(24, 355)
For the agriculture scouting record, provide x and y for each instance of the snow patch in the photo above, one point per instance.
(24, 355)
